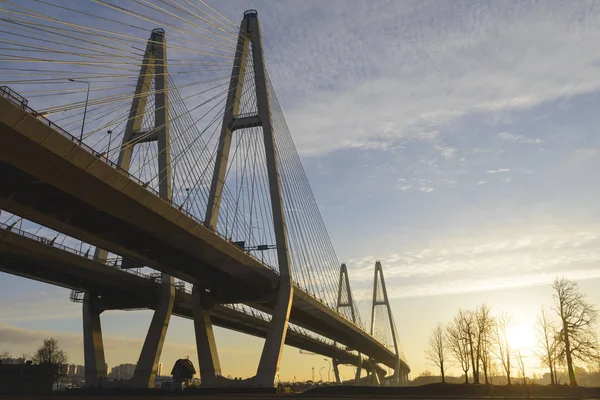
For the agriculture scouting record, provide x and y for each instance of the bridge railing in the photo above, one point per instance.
(110, 262)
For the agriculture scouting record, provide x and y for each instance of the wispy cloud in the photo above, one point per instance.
(394, 84)
(518, 138)
(497, 260)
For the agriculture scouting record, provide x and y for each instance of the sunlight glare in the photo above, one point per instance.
(521, 337)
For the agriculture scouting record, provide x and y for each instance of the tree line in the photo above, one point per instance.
(474, 340)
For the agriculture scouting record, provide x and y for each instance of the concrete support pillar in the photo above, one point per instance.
(358, 370)
(208, 357)
(147, 364)
(93, 347)
(336, 372)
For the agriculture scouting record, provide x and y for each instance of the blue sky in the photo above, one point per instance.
(454, 141)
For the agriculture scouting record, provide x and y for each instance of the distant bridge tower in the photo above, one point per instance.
(345, 300)
(380, 298)
(153, 70)
(249, 39)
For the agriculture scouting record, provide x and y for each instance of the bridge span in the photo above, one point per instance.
(54, 179)
(35, 257)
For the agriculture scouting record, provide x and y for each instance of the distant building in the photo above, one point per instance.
(122, 371)
(13, 361)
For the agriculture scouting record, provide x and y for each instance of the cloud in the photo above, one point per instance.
(447, 152)
(379, 81)
(498, 171)
(518, 138)
(481, 183)
(488, 259)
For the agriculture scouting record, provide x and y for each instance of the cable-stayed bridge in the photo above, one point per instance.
(199, 180)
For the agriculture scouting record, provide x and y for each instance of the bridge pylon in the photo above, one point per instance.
(249, 40)
(153, 70)
(400, 374)
(345, 300)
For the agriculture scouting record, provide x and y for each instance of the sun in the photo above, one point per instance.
(521, 337)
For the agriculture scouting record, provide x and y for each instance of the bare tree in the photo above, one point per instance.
(485, 328)
(4, 355)
(458, 345)
(436, 350)
(548, 343)
(468, 326)
(502, 348)
(577, 320)
(51, 354)
(521, 365)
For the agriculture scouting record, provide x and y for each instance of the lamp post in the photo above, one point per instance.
(86, 104)
(321, 374)
(329, 371)
(109, 139)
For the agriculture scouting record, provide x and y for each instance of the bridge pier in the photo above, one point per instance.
(208, 357)
(336, 372)
(93, 346)
(147, 364)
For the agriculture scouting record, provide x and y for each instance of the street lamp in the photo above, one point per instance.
(321, 374)
(109, 139)
(86, 105)
(329, 371)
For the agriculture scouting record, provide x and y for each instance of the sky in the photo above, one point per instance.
(456, 142)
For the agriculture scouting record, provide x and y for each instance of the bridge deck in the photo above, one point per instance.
(49, 178)
(33, 259)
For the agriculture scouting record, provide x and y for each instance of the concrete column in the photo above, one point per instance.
(208, 357)
(147, 364)
(93, 347)
(336, 372)
(358, 370)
